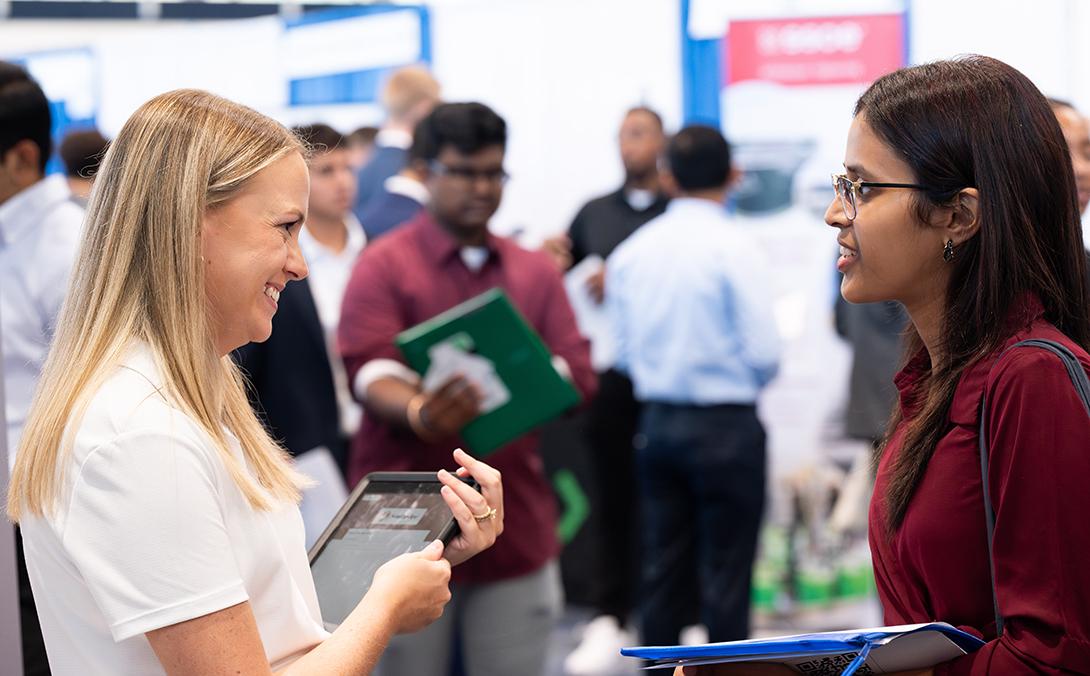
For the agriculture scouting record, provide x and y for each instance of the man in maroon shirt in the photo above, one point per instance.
(506, 599)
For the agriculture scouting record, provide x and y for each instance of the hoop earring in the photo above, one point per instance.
(948, 251)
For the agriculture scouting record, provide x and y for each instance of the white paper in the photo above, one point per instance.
(590, 315)
(449, 359)
(323, 500)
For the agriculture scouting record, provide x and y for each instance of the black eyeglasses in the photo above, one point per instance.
(848, 191)
(494, 176)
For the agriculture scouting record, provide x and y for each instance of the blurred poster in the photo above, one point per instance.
(69, 79)
(809, 52)
(340, 58)
(788, 90)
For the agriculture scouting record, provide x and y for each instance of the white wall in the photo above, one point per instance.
(1045, 39)
(562, 73)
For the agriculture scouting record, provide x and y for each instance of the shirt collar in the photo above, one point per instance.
(695, 205)
(407, 187)
(394, 138)
(1025, 311)
(140, 358)
(440, 246)
(908, 381)
(621, 196)
(27, 208)
(313, 250)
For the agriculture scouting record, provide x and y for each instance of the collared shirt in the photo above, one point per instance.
(329, 270)
(151, 530)
(327, 278)
(606, 221)
(40, 230)
(935, 566)
(407, 187)
(394, 138)
(413, 274)
(688, 300)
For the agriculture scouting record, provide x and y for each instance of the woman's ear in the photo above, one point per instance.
(964, 222)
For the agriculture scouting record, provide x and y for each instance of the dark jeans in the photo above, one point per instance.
(35, 662)
(702, 490)
(611, 424)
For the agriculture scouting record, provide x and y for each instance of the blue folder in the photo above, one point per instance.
(882, 649)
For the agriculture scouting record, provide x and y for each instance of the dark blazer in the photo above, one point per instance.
(386, 162)
(387, 211)
(291, 381)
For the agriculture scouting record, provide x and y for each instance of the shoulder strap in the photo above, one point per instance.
(1082, 386)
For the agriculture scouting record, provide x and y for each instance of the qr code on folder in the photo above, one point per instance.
(832, 665)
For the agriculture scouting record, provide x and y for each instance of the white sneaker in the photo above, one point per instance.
(600, 650)
(696, 634)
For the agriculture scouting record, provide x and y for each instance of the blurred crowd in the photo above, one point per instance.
(654, 304)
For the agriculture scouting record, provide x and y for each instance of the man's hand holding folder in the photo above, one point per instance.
(442, 413)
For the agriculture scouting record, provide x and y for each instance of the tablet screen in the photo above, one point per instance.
(387, 519)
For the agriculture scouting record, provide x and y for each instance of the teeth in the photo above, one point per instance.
(845, 251)
(272, 293)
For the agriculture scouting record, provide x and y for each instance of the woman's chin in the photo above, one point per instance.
(853, 292)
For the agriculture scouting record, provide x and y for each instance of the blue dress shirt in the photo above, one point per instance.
(689, 301)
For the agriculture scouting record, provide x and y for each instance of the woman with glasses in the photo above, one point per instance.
(958, 201)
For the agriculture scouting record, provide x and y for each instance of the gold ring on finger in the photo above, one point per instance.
(487, 516)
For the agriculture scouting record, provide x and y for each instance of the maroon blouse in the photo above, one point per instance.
(935, 566)
(412, 274)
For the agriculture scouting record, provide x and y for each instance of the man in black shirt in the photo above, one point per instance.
(601, 225)
(606, 221)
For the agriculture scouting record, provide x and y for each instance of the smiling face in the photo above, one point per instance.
(886, 252)
(250, 247)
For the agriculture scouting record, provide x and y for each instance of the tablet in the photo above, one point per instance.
(389, 514)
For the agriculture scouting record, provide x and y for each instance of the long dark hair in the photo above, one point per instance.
(977, 122)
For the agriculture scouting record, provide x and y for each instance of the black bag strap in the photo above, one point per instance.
(1082, 386)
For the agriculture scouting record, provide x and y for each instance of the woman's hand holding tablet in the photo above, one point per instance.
(479, 514)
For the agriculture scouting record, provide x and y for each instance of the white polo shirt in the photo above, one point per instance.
(151, 531)
(40, 230)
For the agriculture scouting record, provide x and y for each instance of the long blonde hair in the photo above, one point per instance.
(139, 277)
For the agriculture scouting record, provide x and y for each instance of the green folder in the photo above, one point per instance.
(489, 326)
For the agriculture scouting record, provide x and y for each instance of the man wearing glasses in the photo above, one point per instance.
(505, 601)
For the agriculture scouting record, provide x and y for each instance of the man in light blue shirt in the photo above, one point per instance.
(690, 304)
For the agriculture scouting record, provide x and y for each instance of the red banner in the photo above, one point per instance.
(832, 50)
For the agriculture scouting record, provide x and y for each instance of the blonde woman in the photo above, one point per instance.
(159, 519)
